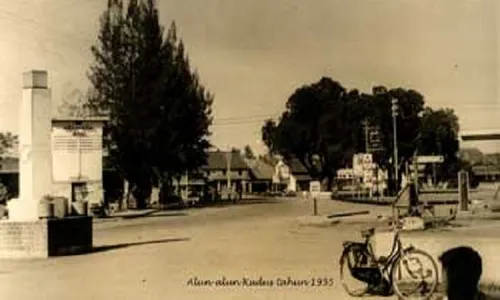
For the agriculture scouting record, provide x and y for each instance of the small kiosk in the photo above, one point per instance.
(77, 153)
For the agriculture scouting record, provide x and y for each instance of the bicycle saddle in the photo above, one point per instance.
(368, 232)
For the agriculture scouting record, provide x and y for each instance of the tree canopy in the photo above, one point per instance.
(323, 125)
(158, 110)
(248, 152)
(7, 143)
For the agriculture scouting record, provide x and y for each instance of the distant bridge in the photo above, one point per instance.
(480, 135)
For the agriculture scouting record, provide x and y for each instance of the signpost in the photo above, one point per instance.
(430, 159)
(373, 141)
(315, 189)
(463, 190)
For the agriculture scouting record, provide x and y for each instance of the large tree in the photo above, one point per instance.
(7, 143)
(439, 136)
(410, 105)
(323, 126)
(156, 106)
(319, 127)
(185, 109)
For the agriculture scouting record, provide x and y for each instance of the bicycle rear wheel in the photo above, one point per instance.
(414, 275)
(350, 262)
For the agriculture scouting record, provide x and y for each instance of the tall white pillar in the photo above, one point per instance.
(35, 162)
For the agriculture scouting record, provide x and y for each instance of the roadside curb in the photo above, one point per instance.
(316, 221)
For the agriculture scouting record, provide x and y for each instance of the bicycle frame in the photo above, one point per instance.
(396, 252)
(378, 272)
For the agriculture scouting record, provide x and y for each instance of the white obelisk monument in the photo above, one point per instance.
(35, 161)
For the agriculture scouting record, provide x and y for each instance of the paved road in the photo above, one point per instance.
(155, 257)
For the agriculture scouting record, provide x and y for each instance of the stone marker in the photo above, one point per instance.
(35, 163)
(31, 230)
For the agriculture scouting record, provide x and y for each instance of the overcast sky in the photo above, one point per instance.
(252, 54)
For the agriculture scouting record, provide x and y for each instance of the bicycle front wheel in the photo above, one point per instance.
(414, 275)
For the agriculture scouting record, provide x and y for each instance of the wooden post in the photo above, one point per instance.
(228, 173)
(463, 190)
(315, 206)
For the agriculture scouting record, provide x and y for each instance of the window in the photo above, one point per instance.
(240, 172)
(79, 191)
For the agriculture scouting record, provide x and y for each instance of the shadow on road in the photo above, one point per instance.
(157, 214)
(223, 203)
(126, 245)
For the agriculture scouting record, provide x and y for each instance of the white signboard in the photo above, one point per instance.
(361, 162)
(314, 188)
(420, 168)
(76, 151)
(430, 159)
(345, 174)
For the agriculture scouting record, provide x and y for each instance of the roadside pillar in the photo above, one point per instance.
(315, 206)
(463, 190)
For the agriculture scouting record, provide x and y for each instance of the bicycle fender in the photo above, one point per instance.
(409, 248)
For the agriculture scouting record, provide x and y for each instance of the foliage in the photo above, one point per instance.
(158, 110)
(74, 104)
(4, 194)
(322, 127)
(248, 152)
(439, 136)
(7, 142)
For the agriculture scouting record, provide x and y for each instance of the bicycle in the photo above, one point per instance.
(382, 276)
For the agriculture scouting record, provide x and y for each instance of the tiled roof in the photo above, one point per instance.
(260, 170)
(486, 170)
(217, 160)
(303, 177)
(296, 167)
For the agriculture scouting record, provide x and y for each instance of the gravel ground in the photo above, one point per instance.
(162, 256)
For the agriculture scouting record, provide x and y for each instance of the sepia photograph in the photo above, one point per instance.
(250, 149)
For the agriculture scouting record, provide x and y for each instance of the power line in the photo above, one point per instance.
(267, 116)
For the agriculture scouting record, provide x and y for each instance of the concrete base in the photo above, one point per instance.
(45, 238)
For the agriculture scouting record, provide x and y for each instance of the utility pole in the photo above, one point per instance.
(367, 145)
(228, 172)
(394, 108)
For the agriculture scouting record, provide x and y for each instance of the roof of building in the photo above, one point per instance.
(486, 170)
(217, 160)
(296, 167)
(77, 119)
(303, 177)
(260, 170)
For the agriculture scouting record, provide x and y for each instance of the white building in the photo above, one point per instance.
(77, 154)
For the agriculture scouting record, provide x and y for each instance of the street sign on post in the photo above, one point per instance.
(314, 190)
(374, 141)
(419, 167)
(430, 159)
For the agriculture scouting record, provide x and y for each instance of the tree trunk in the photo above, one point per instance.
(329, 183)
(126, 195)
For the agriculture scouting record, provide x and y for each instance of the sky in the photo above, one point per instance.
(253, 54)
